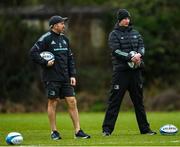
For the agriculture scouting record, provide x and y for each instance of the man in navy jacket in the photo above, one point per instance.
(127, 51)
(58, 74)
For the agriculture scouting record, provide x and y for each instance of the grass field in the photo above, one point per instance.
(35, 129)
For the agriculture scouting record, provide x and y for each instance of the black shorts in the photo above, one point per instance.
(58, 90)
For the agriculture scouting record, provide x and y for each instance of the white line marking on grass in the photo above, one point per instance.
(175, 141)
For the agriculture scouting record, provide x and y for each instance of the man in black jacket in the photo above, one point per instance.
(127, 50)
(58, 74)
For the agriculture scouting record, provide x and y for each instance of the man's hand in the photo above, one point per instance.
(50, 63)
(73, 81)
(136, 58)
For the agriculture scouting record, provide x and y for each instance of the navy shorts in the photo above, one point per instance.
(58, 90)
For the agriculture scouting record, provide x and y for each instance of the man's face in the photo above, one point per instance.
(59, 27)
(124, 22)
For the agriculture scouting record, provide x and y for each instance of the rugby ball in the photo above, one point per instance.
(47, 55)
(14, 138)
(132, 64)
(168, 129)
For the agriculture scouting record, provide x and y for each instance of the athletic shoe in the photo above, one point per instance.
(81, 134)
(106, 133)
(55, 135)
(149, 132)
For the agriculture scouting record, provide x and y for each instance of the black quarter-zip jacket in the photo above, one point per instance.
(58, 45)
(123, 40)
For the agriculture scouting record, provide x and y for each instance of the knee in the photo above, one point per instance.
(72, 103)
(52, 103)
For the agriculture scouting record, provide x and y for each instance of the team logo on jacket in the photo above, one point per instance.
(53, 42)
(64, 42)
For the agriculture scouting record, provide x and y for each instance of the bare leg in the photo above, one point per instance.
(52, 103)
(73, 112)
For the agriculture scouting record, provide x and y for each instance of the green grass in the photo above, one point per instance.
(35, 129)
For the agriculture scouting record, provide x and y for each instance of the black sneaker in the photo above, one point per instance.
(81, 134)
(150, 132)
(106, 133)
(55, 135)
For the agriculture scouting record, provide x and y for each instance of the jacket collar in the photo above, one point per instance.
(123, 28)
(54, 33)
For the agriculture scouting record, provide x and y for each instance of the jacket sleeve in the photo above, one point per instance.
(71, 64)
(141, 48)
(70, 58)
(35, 51)
(115, 45)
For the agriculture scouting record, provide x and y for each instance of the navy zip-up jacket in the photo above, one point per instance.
(123, 40)
(58, 45)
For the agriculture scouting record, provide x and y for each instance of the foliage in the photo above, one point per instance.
(156, 20)
(16, 73)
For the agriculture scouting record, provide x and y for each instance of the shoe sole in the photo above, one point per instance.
(86, 137)
(56, 138)
(148, 133)
(106, 135)
(151, 133)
